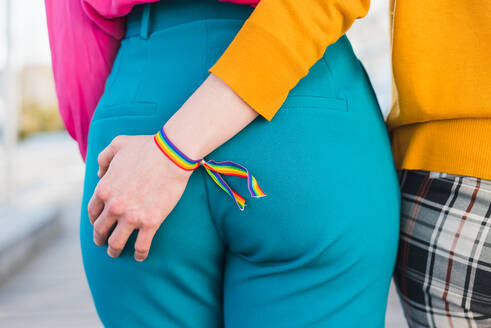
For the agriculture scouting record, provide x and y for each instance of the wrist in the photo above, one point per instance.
(173, 153)
(214, 169)
(188, 141)
(166, 164)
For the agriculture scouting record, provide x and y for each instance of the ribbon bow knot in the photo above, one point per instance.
(214, 169)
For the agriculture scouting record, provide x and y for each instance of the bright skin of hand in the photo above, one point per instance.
(140, 186)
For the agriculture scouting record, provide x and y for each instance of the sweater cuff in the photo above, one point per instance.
(262, 75)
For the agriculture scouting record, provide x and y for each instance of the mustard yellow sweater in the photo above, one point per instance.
(441, 114)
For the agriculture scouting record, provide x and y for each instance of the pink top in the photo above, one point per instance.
(84, 38)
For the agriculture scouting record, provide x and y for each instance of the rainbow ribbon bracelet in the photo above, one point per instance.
(213, 168)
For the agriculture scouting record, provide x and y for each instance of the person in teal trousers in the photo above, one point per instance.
(317, 251)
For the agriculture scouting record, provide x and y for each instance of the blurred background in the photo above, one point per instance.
(42, 282)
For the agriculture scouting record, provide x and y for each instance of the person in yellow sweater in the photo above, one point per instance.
(440, 126)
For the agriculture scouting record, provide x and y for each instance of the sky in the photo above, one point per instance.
(30, 37)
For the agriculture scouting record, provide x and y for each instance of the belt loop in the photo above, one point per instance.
(145, 21)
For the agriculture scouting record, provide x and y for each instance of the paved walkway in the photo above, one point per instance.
(51, 291)
(394, 317)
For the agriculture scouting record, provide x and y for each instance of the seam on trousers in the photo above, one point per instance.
(208, 204)
(140, 85)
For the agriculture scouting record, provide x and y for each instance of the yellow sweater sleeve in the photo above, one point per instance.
(279, 43)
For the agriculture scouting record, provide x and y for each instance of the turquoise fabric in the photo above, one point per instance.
(318, 251)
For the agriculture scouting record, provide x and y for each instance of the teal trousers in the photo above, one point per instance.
(318, 251)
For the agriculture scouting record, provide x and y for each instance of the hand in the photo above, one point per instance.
(138, 189)
(140, 186)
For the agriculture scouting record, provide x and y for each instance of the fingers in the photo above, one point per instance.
(120, 235)
(143, 243)
(106, 156)
(125, 224)
(96, 203)
(106, 221)
(118, 239)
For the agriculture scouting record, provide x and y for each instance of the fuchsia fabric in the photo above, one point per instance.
(84, 38)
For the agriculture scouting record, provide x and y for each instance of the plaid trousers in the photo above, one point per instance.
(443, 270)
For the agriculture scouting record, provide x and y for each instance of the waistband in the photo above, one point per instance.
(151, 17)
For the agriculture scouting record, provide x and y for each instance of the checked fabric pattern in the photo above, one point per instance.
(443, 270)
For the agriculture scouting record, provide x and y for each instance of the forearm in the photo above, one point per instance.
(211, 116)
(278, 44)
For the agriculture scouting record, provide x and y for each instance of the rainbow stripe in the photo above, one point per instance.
(231, 168)
(239, 200)
(212, 168)
(174, 154)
